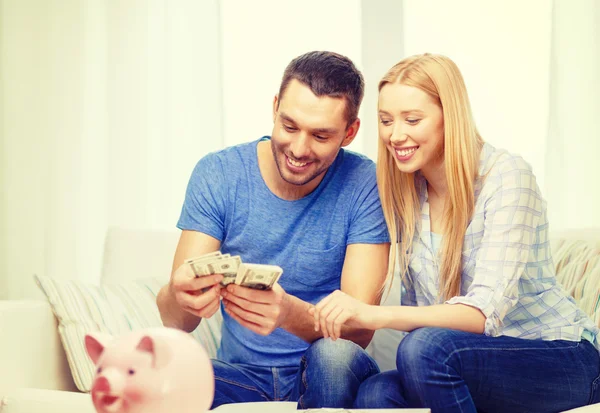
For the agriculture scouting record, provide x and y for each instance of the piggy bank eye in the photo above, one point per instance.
(131, 372)
(99, 370)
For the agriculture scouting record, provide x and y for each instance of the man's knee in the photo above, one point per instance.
(336, 353)
(332, 372)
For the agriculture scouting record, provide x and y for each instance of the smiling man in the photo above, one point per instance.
(299, 200)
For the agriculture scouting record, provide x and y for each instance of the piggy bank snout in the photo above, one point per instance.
(105, 396)
(101, 385)
(110, 381)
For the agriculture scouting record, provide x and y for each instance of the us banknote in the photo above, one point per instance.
(256, 276)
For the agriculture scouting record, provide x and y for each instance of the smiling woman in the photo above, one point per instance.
(469, 228)
(415, 135)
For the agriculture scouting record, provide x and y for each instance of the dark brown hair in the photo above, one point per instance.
(328, 74)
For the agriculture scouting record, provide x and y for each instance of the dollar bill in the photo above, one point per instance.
(258, 276)
(205, 258)
(228, 267)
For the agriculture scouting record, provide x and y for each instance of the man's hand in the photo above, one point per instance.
(259, 311)
(338, 309)
(187, 291)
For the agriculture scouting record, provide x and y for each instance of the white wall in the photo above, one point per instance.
(573, 144)
(503, 51)
(260, 37)
(3, 199)
(383, 46)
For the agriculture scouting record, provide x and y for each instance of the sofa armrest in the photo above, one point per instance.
(31, 353)
(46, 401)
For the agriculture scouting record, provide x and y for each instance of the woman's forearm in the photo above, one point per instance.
(408, 318)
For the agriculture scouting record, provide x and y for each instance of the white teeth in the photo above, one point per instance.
(405, 152)
(297, 164)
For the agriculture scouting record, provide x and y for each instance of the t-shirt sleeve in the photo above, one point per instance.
(204, 205)
(367, 224)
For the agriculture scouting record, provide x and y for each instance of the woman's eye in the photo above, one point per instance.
(412, 121)
(385, 122)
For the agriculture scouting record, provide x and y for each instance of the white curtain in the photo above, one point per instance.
(573, 148)
(108, 105)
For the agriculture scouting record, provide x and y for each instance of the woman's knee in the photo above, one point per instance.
(380, 391)
(422, 348)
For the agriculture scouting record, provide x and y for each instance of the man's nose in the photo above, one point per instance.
(300, 146)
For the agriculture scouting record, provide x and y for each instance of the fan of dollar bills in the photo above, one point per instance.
(257, 276)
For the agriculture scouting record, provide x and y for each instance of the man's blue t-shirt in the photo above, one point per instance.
(228, 199)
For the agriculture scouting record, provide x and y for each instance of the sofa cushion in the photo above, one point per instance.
(129, 252)
(45, 401)
(112, 309)
(577, 263)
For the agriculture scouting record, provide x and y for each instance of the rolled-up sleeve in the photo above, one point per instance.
(511, 214)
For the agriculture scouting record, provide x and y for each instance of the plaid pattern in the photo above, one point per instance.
(508, 271)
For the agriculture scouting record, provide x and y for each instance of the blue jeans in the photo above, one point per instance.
(453, 371)
(329, 375)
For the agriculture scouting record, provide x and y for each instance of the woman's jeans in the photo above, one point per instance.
(454, 371)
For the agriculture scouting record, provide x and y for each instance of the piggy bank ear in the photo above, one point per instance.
(94, 345)
(158, 349)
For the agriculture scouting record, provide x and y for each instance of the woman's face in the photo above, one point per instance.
(411, 124)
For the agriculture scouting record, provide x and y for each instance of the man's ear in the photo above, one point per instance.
(351, 132)
(275, 107)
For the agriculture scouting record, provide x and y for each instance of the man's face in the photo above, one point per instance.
(308, 133)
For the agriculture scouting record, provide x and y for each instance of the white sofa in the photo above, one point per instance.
(35, 376)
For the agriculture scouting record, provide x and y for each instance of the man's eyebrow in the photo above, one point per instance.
(287, 118)
(325, 131)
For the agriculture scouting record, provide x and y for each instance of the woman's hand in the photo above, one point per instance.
(338, 309)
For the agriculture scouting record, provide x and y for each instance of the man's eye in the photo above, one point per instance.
(289, 128)
(321, 138)
(385, 122)
(412, 121)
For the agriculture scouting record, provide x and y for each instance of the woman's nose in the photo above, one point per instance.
(398, 136)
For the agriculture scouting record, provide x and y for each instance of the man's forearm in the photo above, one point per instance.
(300, 323)
(171, 313)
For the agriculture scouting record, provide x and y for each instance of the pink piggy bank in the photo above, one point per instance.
(154, 370)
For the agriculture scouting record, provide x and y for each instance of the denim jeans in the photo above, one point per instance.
(453, 371)
(329, 375)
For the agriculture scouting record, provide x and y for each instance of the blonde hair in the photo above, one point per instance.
(439, 77)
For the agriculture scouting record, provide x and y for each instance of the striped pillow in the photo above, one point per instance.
(578, 270)
(113, 309)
